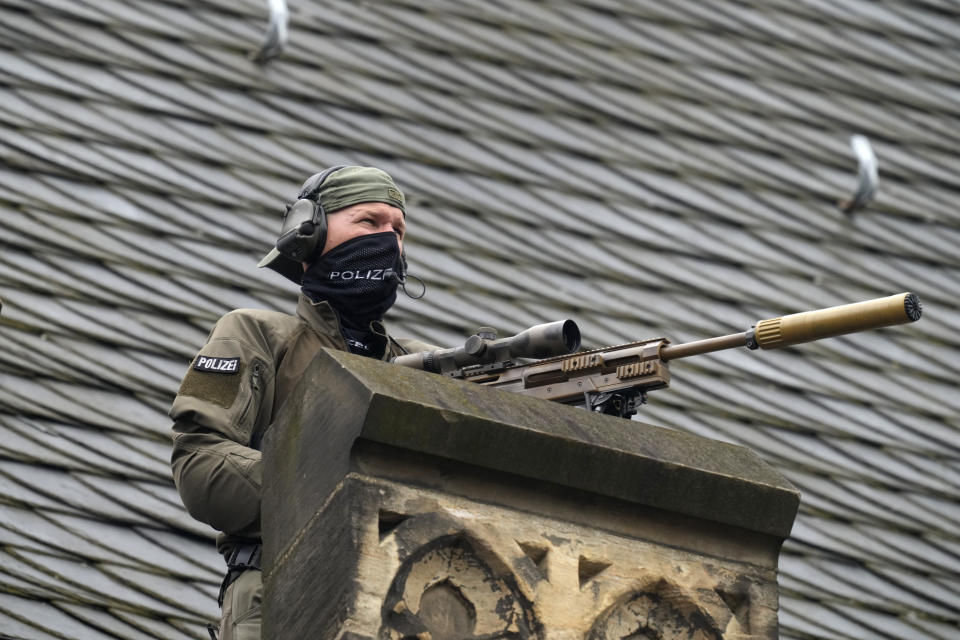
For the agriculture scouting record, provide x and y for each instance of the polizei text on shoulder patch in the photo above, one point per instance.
(217, 365)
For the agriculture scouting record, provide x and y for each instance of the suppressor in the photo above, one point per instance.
(807, 326)
(837, 321)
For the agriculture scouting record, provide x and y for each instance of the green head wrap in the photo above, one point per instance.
(353, 185)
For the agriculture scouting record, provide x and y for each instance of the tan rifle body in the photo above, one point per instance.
(642, 366)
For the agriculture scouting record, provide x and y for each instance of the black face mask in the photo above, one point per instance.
(359, 278)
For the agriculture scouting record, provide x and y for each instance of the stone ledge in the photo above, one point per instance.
(461, 421)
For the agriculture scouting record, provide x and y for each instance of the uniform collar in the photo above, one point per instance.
(321, 317)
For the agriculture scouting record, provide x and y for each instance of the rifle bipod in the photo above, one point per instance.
(622, 404)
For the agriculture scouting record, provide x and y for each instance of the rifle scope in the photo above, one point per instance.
(808, 326)
(541, 341)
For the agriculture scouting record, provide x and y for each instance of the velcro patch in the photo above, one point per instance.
(217, 365)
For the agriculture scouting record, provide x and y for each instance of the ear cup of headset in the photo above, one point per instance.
(303, 231)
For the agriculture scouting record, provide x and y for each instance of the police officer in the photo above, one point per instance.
(342, 242)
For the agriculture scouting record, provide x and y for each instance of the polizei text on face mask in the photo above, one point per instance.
(359, 274)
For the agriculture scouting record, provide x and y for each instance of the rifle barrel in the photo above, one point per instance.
(808, 326)
(699, 347)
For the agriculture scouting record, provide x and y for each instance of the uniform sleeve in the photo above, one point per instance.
(219, 480)
(224, 398)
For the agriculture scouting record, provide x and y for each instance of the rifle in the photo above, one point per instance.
(615, 380)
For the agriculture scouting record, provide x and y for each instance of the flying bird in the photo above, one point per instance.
(868, 179)
(276, 37)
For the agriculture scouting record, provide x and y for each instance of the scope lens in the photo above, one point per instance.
(571, 335)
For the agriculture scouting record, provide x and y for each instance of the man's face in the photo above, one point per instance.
(362, 219)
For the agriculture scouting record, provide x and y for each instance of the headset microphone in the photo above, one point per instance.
(402, 281)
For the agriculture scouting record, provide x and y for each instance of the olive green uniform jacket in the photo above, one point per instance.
(234, 388)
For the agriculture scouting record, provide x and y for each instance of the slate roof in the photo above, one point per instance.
(647, 167)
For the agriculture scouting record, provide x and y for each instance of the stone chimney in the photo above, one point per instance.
(404, 505)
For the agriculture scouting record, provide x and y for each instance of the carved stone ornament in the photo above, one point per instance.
(664, 612)
(445, 590)
(466, 580)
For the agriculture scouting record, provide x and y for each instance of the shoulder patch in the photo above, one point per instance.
(217, 365)
(221, 390)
